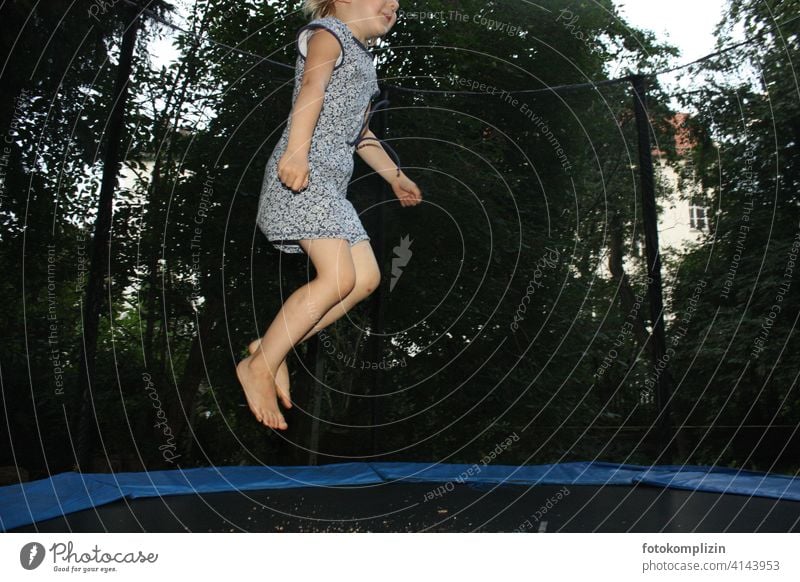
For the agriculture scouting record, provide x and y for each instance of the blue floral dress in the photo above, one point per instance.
(322, 210)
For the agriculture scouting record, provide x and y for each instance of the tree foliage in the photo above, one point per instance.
(499, 323)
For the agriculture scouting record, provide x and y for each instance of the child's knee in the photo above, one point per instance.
(372, 283)
(328, 292)
(367, 281)
(341, 284)
(347, 282)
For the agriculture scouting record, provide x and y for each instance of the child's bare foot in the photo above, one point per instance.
(281, 378)
(259, 389)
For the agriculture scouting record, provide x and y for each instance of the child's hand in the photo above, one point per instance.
(293, 170)
(406, 190)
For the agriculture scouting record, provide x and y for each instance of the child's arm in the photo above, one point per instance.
(323, 50)
(372, 152)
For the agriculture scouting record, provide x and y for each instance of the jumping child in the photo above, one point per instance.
(303, 205)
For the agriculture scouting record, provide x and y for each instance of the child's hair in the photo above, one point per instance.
(314, 9)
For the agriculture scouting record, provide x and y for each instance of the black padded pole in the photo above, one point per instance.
(379, 296)
(650, 220)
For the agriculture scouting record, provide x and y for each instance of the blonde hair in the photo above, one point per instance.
(314, 9)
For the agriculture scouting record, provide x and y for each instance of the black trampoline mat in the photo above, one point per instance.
(402, 507)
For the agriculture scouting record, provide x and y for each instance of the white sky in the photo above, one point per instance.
(688, 24)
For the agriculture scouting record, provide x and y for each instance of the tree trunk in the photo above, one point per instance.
(162, 165)
(96, 287)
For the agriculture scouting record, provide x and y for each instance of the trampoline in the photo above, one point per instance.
(409, 497)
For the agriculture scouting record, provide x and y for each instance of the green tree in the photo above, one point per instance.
(742, 352)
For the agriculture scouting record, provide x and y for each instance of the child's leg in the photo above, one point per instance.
(368, 277)
(300, 312)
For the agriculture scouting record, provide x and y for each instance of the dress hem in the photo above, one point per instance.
(289, 242)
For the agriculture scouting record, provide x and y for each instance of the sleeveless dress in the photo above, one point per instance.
(322, 210)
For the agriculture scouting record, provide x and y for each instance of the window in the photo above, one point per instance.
(697, 217)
